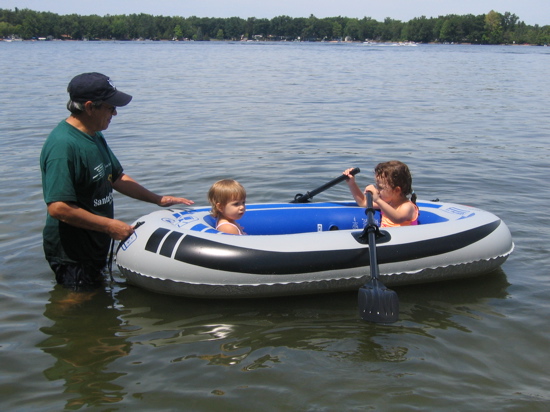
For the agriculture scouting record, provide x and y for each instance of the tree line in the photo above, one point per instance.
(490, 28)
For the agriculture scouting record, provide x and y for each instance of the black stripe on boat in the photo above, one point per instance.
(436, 246)
(169, 244)
(219, 256)
(155, 239)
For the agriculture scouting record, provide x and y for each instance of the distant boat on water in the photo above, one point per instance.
(401, 43)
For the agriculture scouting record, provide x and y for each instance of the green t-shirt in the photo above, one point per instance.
(77, 168)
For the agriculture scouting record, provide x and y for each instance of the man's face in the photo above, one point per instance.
(101, 116)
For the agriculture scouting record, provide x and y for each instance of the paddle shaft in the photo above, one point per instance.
(371, 229)
(304, 198)
(377, 303)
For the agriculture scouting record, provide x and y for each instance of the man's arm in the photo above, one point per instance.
(129, 187)
(75, 216)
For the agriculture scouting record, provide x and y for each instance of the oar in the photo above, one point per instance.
(300, 198)
(377, 303)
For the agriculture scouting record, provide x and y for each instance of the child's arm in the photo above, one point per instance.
(357, 194)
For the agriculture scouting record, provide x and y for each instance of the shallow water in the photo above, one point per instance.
(472, 122)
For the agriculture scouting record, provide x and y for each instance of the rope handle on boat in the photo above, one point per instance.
(112, 248)
(138, 224)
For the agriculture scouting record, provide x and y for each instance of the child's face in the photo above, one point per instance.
(385, 190)
(233, 210)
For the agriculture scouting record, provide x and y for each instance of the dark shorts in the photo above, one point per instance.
(77, 277)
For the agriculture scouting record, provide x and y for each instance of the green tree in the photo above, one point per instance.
(493, 28)
(93, 27)
(119, 28)
(509, 22)
(178, 32)
(30, 26)
(353, 30)
(296, 27)
(199, 36)
(282, 26)
(419, 29)
(7, 29)
(234, 27)
(369, 28)
(391, 30)
(451, 30)
(544, 37)
(261, 27)
(309, 32)
(474, 27)
(336, 30)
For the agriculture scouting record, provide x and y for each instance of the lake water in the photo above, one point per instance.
(473, 124)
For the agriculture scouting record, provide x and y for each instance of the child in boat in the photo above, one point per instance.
(228, 199)
(390, 194)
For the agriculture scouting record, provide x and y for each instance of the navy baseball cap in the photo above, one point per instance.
(96, 87)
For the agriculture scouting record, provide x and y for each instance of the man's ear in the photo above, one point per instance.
(88, 106)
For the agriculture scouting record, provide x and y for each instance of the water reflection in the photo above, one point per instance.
(253, 333)
(156, 333)
(84, 340)
(442, 305)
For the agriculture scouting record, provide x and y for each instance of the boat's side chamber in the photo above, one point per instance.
(178, 251)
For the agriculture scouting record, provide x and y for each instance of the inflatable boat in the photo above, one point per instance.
(305, 248)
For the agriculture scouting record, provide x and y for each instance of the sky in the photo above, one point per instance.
(529, 11)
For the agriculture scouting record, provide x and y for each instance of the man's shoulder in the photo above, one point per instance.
(65, 135)
(59, 143)
(63, 128)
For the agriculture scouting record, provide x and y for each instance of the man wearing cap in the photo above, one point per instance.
(79, 173)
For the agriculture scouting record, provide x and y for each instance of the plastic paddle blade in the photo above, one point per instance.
(377, 303)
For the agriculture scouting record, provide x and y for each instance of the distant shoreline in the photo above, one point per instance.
(488, 28)
(373, 42)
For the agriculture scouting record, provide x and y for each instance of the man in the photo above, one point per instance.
(79, 173)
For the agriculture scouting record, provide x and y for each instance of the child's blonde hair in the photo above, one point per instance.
(223, 192)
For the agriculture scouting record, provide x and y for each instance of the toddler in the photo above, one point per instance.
(228, 199)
